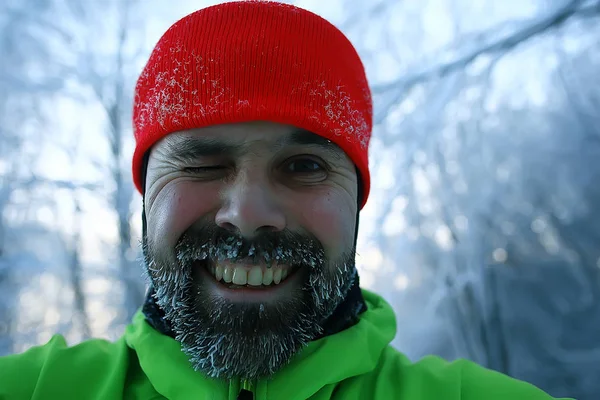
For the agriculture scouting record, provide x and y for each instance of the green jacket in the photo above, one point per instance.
(355, 364)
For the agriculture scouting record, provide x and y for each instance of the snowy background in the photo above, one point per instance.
(483, 225)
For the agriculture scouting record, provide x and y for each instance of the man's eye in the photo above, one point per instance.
(304, 166)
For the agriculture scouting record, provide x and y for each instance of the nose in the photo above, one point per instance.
(249, 208)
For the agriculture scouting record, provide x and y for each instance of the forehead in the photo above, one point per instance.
(262, 137)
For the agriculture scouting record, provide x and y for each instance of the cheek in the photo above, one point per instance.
(177, 207)
(332, 219)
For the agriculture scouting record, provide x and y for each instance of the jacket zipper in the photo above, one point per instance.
(246, 391)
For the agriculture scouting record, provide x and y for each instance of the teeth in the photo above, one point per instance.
(277, 276)
(228, 274)
(240, 276)
(267, 277)
(254, 276)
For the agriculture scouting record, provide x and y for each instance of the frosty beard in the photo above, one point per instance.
(248, 341)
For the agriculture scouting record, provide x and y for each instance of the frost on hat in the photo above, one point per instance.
(254, 60)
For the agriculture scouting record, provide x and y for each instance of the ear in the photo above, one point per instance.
(359, 188)
(144, 170)
(359, 200)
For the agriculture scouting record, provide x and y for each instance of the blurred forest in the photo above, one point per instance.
(483, 227)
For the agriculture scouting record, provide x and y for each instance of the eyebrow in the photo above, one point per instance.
(302, 137)
(189, 149)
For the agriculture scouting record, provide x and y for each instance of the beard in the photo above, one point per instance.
(226, 339)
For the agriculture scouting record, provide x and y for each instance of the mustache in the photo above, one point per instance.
(212, 242)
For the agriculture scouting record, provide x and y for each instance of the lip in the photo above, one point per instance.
(247, 294)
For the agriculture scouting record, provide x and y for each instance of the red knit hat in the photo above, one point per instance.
(254, 60)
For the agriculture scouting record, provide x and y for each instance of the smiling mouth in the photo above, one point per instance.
(241, 275)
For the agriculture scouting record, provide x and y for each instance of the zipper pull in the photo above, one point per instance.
(245, 395)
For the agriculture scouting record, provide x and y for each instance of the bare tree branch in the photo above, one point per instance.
(530, 29)
(373, 11)
(75, 273)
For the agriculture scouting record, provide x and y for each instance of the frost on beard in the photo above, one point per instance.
(227, 340)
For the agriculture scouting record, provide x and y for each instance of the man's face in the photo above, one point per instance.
(250, 241)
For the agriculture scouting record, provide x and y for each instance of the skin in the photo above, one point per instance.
(255, 190)
(257, 183)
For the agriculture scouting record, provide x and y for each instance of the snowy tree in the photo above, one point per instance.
(482, 179)
(110, 73)
(19, 101)
(481, 228)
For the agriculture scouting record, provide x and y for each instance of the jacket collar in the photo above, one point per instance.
(323, 362)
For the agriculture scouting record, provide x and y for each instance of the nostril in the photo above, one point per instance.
(249, 214)
(229, 226)
(267, 229)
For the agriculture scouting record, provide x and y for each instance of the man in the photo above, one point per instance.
(252, 122)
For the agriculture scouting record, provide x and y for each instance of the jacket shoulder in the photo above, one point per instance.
(477, 381)
(59, 371)
(433, 377)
